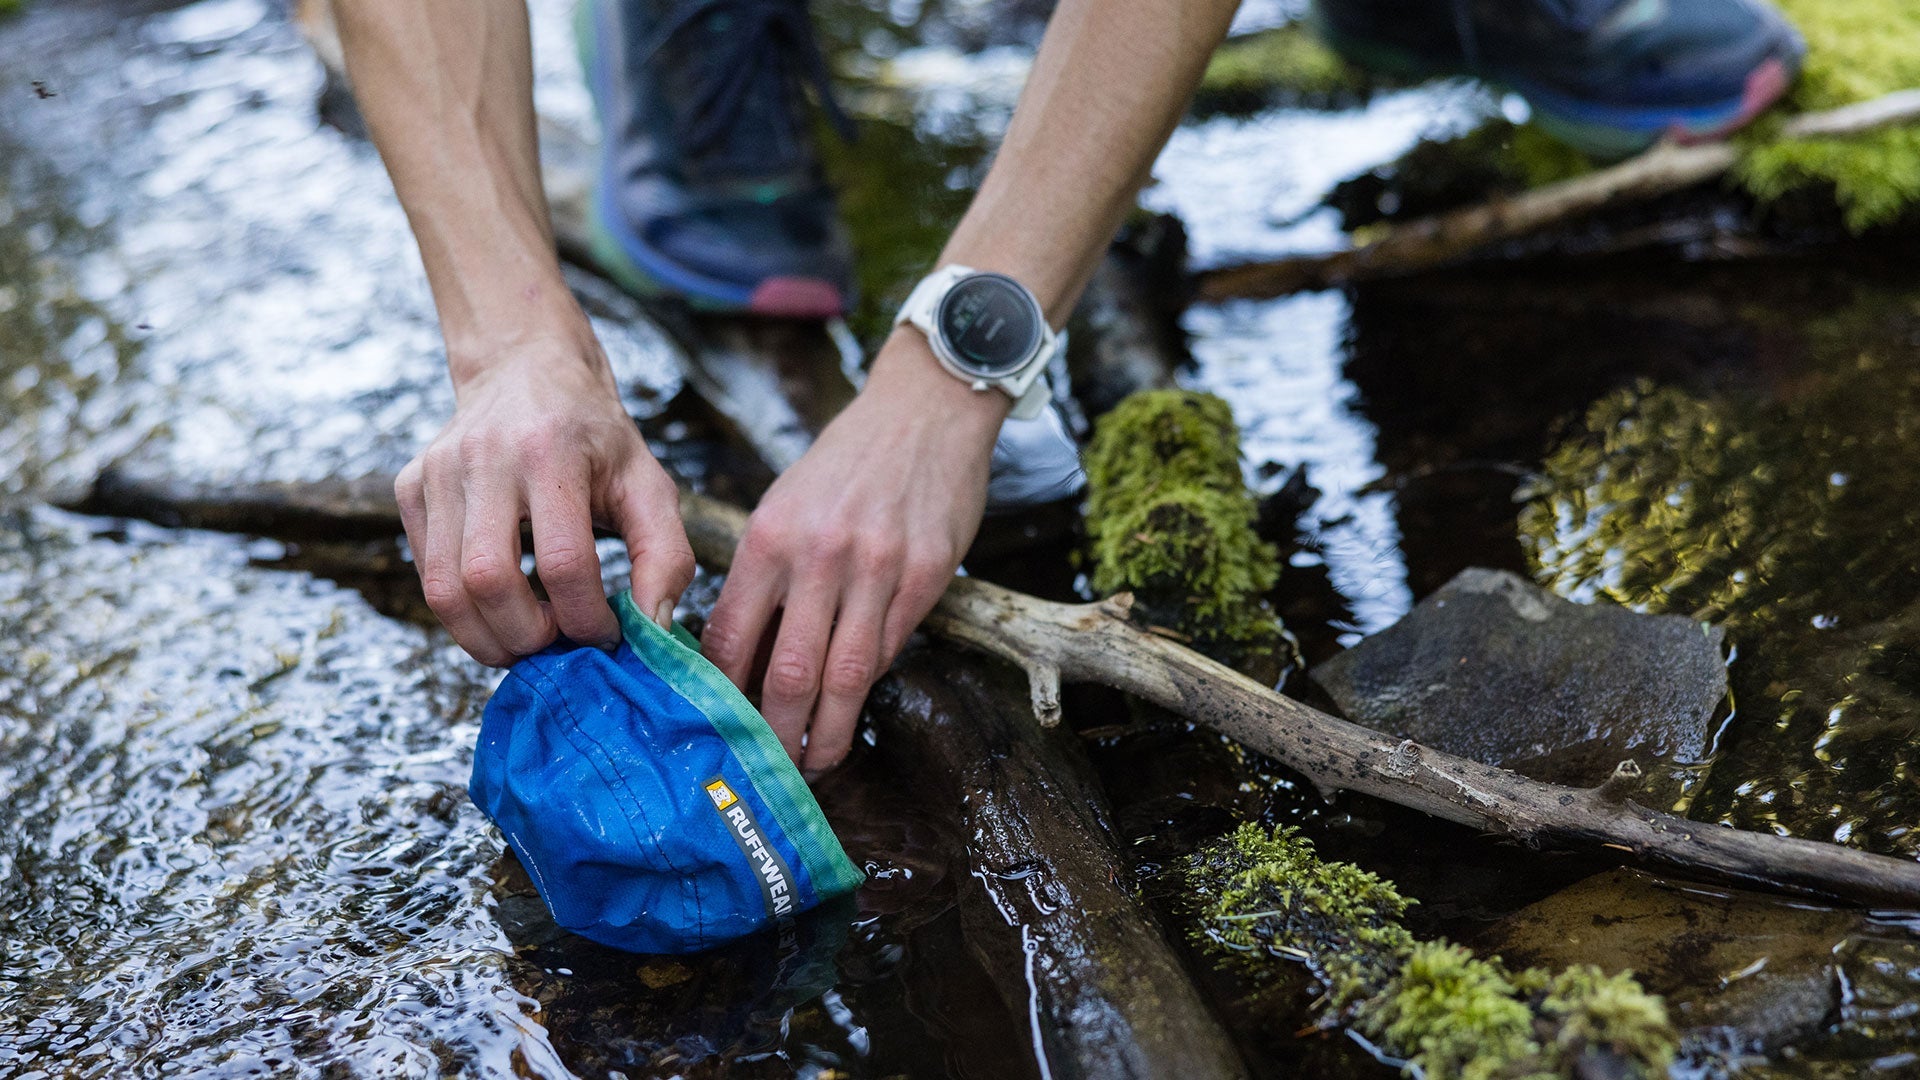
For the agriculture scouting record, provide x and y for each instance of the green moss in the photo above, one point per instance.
(1610, 1012)
(1258, 897)
(1856, 50)
(1454, 1014)
(1540, 159)
(1284, 66)
(1170, 520)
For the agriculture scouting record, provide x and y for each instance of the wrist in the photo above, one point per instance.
(547, 338)
(907, 372)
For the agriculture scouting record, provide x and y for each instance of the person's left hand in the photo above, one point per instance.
(853, 545)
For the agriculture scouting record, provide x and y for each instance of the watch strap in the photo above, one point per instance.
(1035, 398)
(925, 297)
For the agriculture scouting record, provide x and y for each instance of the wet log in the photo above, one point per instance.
(358, 509)
(1444, 238)
(1044, 900)
(1101, 643)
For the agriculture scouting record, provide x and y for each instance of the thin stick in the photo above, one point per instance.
(1432, 241)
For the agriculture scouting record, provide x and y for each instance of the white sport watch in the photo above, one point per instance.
(988, 331)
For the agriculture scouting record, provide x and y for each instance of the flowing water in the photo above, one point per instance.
(234, 837)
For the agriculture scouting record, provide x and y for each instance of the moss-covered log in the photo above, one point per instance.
(1170, 520)
(1857, 51)
(1260, 897)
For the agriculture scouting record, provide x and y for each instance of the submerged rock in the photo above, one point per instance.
(1494, 668)
(1742, 973)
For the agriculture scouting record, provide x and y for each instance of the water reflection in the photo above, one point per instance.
(1791, 521)
(1280, 364)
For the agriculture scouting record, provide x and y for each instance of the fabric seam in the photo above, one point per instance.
(573, 728)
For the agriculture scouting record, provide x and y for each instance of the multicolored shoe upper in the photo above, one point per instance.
(710, 189)
(1609, 76)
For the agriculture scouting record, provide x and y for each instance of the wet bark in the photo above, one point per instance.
(1444, 238)
(358, 509)
(1044, 899)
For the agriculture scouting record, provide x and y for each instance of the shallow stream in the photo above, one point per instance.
(234, 837)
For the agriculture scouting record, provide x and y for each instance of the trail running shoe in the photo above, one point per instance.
(709, 187)
(1608, 76)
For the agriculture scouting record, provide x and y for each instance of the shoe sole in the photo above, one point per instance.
(646, 271)
(1600, 130)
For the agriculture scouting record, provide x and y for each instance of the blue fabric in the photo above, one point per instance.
(607, 773)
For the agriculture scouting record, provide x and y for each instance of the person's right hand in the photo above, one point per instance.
(539, 435)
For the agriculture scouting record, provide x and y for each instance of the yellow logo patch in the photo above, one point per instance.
(721, 794)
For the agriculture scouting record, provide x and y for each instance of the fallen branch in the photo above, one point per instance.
(1433, 241)
(1100, 643)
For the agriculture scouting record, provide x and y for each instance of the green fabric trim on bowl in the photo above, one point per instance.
(675, 658)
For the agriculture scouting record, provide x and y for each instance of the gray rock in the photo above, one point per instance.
(1496, 669)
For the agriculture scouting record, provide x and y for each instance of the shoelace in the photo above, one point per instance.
(766, 36)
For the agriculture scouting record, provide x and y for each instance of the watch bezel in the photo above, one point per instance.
(952, 355)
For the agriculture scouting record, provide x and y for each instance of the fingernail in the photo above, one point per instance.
(664, 615)
(813, 775)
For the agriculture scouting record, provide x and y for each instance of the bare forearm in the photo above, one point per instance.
(538, 434)
(1111, 81)
(446, 89)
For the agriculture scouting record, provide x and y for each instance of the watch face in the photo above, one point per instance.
(990, 324)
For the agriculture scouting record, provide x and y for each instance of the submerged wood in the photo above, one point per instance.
(1433, 241)
(1125, 332)
(1044, 897)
